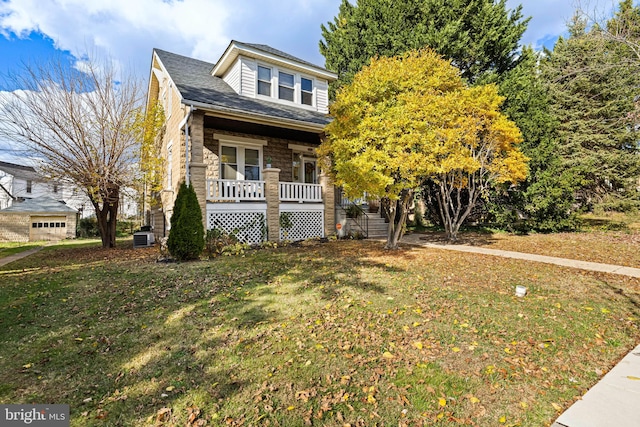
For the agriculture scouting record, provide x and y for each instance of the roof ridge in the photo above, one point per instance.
(272, 50)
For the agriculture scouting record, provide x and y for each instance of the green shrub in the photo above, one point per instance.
(125, 228)
(88, 227)
(216, 241)
(186, 238)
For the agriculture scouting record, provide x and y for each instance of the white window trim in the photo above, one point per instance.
(240, 142)
(302, 148)
(314, 102)
(297, 87)
(258, 66)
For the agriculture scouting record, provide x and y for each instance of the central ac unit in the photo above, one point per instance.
(143, 239)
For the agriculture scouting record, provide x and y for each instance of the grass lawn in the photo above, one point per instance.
(324, 334)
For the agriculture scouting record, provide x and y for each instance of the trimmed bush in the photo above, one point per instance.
(186, 238)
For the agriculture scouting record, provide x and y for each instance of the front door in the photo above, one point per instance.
(305, 169)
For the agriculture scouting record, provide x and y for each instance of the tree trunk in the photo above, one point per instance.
(107, 216)
(397, 210)
(453, 207)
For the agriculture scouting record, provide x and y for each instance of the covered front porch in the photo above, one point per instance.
(259, 182)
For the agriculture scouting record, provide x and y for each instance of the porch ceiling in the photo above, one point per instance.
(218, 123)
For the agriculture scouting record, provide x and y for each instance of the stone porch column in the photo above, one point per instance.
(272, 195)
(329, 200)
(197, 166)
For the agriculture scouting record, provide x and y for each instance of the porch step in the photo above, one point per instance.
(377, 225)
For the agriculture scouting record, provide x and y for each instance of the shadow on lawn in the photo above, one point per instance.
(161, 333)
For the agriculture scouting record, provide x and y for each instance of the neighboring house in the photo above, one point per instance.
(243, 133)
(40, 218)
(18, 182)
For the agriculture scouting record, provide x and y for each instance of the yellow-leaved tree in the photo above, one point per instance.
(411, 118)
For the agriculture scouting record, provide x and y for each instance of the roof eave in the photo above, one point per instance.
(236, 49)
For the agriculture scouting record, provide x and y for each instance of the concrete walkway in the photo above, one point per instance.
(8, 259)
(615, 399)
(414, 239)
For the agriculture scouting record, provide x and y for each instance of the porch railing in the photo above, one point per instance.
(229, 190)
(353, 210)
(296, 192)
(220, 190)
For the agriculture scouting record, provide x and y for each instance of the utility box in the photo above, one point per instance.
(143, 239)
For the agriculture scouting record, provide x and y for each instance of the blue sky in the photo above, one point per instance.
(201, 28)
(127, 30)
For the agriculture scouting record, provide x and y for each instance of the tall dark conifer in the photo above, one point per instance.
(186, 238)
(481, 37)
(544, 201)
(593, 84)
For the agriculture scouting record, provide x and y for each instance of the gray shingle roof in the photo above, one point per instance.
(193, 79)
(40, 205)
(19, 171)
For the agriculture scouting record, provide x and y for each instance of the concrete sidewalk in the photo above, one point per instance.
(9, 259)
(414, 239)
(615, 399)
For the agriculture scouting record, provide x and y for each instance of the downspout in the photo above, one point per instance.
(186, 133)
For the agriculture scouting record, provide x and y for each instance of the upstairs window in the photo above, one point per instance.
(285, 86)
(306, 93)
(264, 81)
(28, 186)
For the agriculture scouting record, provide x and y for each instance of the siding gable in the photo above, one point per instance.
(232, 77)
(249, 69)
(322, 96)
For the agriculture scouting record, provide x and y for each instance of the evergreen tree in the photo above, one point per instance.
(593, 99)
(481, 37)
(186, 239)
(544, 201)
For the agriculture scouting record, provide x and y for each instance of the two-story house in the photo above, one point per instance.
(243, 133)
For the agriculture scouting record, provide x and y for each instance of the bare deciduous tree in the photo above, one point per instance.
(82, 125)
(623, 27)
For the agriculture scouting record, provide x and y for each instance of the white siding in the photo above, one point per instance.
(248, 84)
(232, 77)
(322, 96)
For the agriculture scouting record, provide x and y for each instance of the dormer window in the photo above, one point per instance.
(307, 91)
(264, 81)
(286, 86)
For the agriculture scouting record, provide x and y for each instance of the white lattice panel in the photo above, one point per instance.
(248, 227)
(304, 225)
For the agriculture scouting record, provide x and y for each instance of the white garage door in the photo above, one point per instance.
(48, 228)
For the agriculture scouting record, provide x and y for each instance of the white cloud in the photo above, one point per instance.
(123, 29)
